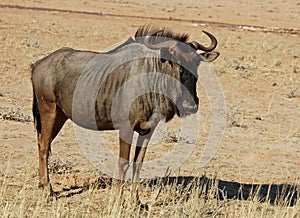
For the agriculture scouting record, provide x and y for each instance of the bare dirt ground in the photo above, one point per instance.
(259, 73)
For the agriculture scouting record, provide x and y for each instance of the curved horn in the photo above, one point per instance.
(165, 44)
(212, 46)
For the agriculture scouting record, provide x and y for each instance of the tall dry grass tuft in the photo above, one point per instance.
(167, 197)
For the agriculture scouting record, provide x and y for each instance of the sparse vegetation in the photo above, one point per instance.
(235, 118)
(293, 93)
(178, 197)
(15, 115)
(60, 167)
(259, 73)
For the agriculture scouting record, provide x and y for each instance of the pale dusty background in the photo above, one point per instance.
(259, 73)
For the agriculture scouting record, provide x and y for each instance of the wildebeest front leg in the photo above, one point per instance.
(125, 140)
(140, 152)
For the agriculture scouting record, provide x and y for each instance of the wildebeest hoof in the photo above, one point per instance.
(138, 204)
(48, 193)
(144, 207)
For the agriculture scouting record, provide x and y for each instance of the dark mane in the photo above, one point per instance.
(160, 35)
(163, 34)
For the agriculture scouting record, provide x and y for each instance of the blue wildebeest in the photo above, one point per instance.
(83, 86)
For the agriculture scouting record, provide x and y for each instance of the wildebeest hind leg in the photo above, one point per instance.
(52, 120)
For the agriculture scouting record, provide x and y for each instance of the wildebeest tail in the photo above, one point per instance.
(35, 110)
(36, 114)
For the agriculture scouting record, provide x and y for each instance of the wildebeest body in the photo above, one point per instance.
(130, 88)
(89, 81)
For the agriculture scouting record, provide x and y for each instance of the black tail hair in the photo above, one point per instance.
(36, 114)
(35, 107)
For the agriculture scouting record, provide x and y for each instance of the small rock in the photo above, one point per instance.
(258, 117)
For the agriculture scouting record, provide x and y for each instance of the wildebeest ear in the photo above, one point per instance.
(209, 56)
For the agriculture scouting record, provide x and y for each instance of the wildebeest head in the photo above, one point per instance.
(185, 57)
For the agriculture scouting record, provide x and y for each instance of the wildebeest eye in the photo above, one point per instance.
(183, 75)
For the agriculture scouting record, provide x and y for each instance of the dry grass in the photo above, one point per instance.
(15, 115)
(259, 73)
(168, 197)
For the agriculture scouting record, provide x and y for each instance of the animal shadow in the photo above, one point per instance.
(99, 183)
(275, 194)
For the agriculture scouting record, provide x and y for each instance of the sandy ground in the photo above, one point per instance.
(259, 73)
